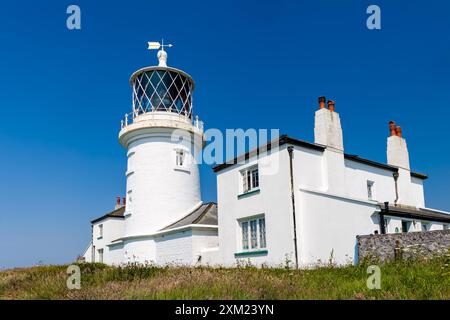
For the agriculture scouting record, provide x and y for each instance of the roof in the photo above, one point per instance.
(415, 213)
(205, 214)
(285, 139)
(117, 213)
(370, 162)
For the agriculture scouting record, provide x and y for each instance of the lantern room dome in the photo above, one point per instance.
(162, 89)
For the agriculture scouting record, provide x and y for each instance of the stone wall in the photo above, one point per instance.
(403, 245)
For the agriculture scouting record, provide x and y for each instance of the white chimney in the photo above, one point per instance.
(328, 132)
(327, 126)
(397, 150)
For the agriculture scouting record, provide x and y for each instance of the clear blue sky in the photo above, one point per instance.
(256, 65)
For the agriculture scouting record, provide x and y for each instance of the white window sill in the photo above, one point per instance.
(253, 252)
(183, 169)
(248, 193)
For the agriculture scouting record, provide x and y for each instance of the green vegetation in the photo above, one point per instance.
(399, 280)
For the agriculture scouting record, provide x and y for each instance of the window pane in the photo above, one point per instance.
(370, 189)
(262, 233)
(245, 235)
(255, 178)
(254, 238)
(249, 184)
(244, 181)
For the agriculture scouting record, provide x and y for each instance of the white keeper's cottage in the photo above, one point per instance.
(287, 201)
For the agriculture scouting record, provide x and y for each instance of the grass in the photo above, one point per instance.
(399, 280)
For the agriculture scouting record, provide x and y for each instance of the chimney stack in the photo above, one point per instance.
(397, 150)
(117, 203)
(327, 126)
(124, 201)
(328, 132)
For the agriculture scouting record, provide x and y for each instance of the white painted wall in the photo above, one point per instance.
(140, 250)
(395, 224)
(175, 248)
(162, 193)
(332, 206)
(273, 201)
(357, 175)
(112, 230)
(184, 247)
(329, 226)
(159, 192)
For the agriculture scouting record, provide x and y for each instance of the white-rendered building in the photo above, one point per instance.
(287, 202)
(162, 218)
(294, 202)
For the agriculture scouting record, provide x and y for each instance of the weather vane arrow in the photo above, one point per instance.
(162, 54)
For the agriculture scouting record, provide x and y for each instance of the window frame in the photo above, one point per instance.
(249, 181)
(425, 225)
(253, 241)
(370, 189)
(100, 231)
(408, 225)
(100, 255)
(386, 224)
(180, 155)
(129, 203)
(183, 166)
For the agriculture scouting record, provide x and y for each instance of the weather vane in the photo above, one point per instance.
(162, 54)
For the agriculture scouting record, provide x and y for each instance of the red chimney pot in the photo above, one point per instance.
(322, 102)
(392, 129)
(331, 105)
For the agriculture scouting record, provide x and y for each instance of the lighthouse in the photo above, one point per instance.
(162, 218)
(163, 139)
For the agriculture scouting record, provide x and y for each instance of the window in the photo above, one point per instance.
(131, 161)
(245, 235)
(100, 255)
(179, 159)
(445, 227)
(370, 189)
(129, 203)
(100, 231)
(386, 225)
(253, 234)
(405, 226)
(250, 179)
(425, 226)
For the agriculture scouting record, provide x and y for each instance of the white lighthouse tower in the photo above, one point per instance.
(162, 138)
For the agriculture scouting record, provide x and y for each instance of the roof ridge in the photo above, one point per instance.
(200, 216)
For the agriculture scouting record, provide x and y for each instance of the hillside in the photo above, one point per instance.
(399, 280)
